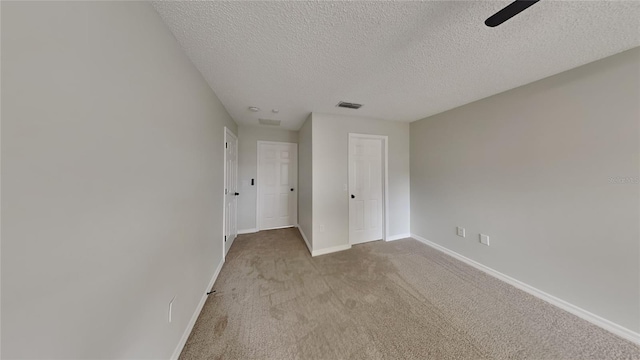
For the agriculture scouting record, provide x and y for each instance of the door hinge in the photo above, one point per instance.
(225, 238)
(226, 145)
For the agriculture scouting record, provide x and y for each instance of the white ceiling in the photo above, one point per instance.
(402, 60)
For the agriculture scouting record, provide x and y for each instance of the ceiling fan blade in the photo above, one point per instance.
(508, 12)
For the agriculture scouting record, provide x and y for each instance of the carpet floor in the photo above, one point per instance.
(380, 300)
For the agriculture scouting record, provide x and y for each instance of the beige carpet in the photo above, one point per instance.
(396, 300)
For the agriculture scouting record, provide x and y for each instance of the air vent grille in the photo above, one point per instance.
(348, 105)
(269, 122)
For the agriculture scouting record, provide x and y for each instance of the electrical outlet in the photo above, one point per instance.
(484, 239)
(171, 309)
(460, 231)
(321, 228)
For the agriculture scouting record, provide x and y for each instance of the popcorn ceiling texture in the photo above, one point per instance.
(403, 60)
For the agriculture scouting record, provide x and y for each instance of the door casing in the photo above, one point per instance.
(259, 226)
(385, 180)
(227, 134)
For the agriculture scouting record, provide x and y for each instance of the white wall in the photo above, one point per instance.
(550, 171)
(112, 158)
(305, 180)
(331, 174)
(248, 137)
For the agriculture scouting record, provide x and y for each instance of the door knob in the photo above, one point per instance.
(353, 196)
(237, 194)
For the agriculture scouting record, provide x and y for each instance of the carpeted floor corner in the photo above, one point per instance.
(380, 300)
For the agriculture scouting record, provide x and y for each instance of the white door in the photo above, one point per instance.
(365, 189)
(277, 185)
(230, 189)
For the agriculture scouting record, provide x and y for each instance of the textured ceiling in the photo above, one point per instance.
(402, 60)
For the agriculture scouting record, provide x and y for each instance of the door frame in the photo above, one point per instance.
(227, 132)
(385, 179)
(295, 178)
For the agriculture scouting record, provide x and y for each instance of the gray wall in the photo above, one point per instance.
(305, 180)
(248, 167)
(331, 174)
(550, 171)
(112, 158)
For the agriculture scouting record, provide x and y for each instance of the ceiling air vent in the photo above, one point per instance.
(349, 105)
(269, 122)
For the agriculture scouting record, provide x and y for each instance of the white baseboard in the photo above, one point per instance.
(564, 305)
(252, 231)
(247, 231)
(278, 227)
(194, 317)
(330, 250)
(398, 237)
(304, 237)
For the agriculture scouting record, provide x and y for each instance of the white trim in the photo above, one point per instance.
(227, 131)
(279, 227)
(306, 241)
(295, 176)
(247, 231)
(196, 313)
(252, 231)
(385, 218)
(330, 250)
(398, 237)
(224, 195)
(385, 186)
(562, 304)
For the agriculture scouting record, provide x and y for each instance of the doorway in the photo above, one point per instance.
(230, 189)
(277, 200)
(368, 179)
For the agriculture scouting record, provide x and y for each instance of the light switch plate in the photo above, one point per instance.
(484, 239)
